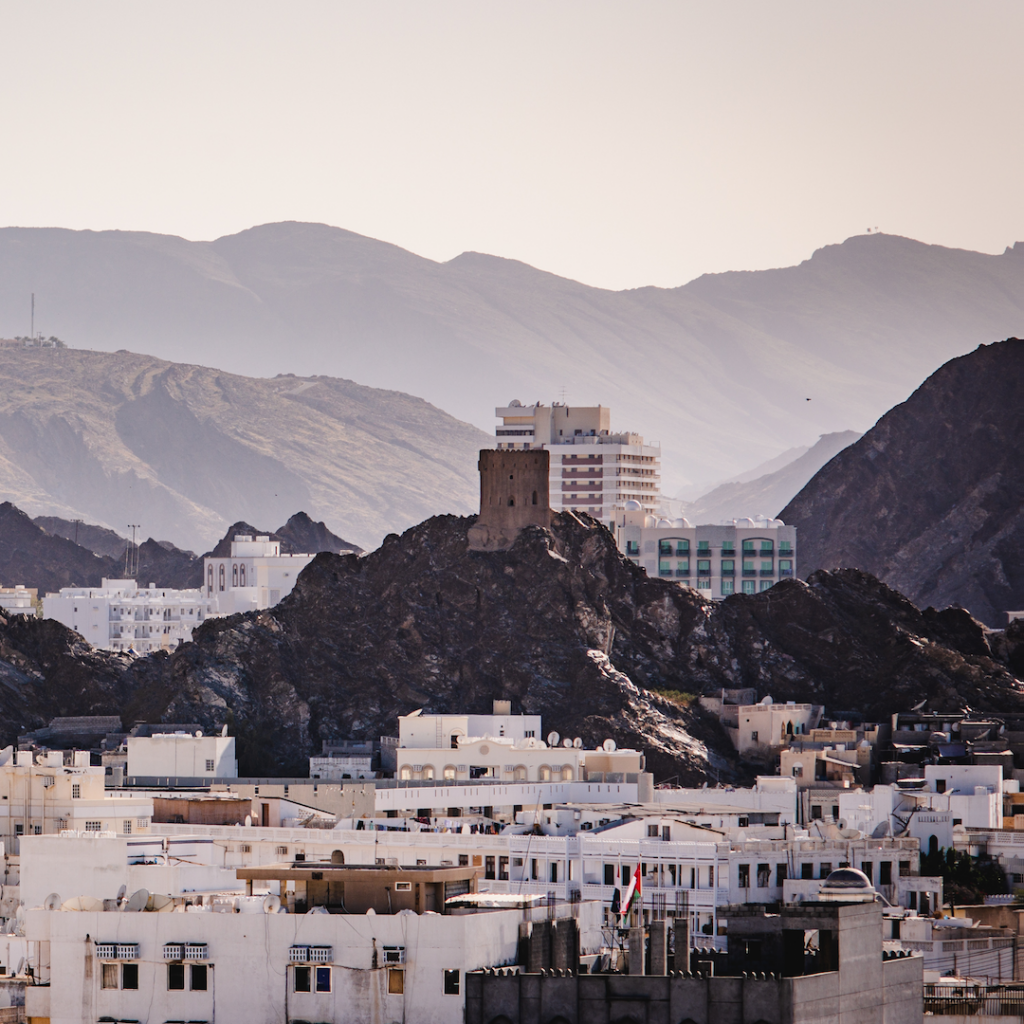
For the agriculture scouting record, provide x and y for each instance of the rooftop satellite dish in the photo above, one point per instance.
(767, 701)
(577, 743)
(248, 820)
(553, 738)
(224, 729)
(199, 733)
(271, 903)
(608, 746)
(567, 742)
(121, 892)
(52, 902)
(137, 901)
(881, 830)
(21, 966)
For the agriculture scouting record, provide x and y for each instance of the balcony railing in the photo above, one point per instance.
(785, 572)
(749, 572)
(728, 572)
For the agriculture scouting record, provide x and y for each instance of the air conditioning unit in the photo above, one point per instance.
(174, 951)
(394, 954)
(298, 955)
(127, 951)
(106, 950)
(195, 950)
(321, 954)
(406, 886)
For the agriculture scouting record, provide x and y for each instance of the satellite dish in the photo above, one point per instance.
(21, 966)
(121, 892)
(199, 733)
(567, 742)
(881, 830)
(767, 701)
(52, 902)
(88, 904)
(553, 738)
(271, 903)
(577, 743)
(159, 903)
(137, 901)
(248, 820)
(608, 746)
(224, 729)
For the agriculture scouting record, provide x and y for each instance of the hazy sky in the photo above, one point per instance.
(617, 143)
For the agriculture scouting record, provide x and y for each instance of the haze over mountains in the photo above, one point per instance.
(184, 451)
(718, 370)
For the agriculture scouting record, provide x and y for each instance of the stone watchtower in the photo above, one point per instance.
(513, 494)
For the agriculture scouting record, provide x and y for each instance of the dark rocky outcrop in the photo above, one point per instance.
(931, 499)
(560, 623)
(97, 539)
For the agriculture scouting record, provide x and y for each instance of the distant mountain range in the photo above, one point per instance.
(718, 370)
(931, 499)
(767, 493)
(184, 451)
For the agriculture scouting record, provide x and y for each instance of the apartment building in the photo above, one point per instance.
(255, 575)
(18, 600)
(119, 615)
(593, 468)
(745, 556)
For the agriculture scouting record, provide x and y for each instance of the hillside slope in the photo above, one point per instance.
(184, 450)
(931, 499)
(765, 495)
(725, 362)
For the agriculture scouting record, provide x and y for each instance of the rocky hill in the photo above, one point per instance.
(560, 624)
(931, 499)
(113, 438)
(726, 361)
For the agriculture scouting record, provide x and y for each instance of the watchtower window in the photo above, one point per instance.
(511, 502)
(535, 497)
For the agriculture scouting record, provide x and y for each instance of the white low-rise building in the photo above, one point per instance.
(182, 755)
(119, 615)
(255, 575)
(744, 556)
(18, 600)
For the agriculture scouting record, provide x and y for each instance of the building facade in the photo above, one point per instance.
(255, 575)
(592, 469)
(745, 556)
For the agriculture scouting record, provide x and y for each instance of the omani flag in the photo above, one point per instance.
(633, 894)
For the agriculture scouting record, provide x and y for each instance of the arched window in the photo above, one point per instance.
(544, 773)
(511, 502)
(519, 773)
(933, 845)
(455, 740)
(241, 574)
(535, 497)
(405, 772)
(209, 579)
(449, 772)
(428, 772)
(234, 575)
(220, 577)
(567, 773)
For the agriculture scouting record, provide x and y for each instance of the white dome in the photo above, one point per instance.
(683, 523)
(650, 521)
(745, 522)
(777, 523)
(634, 506)
(664, 524)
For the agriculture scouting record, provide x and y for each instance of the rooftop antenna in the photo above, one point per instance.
(32, 334)
(561, 394)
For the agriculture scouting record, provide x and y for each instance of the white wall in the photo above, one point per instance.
(183, 756)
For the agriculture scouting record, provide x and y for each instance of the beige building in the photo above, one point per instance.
(18, 600)
(593, 469)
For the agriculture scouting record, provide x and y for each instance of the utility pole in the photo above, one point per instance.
(32, 333)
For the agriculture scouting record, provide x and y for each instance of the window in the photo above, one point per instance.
(448, 772)
(234, 575)
(798, 771)
(703, 546)
(806, 870)
(609, 874)
(816, 812)
(682, 547)
(126, 827)
(241, 574)
(940, 785)
(175, 977)
(502, 869)
(76, 791)
(703, 566)
(209, 764)
(824, 869)
(683, 567)
(904, 868)
(766, 567)
(728, 548)
(62, 824)
(781, 874)
(463, 860)
(664, 567)
(451, 982)
(753, 735)
(652, 831)
(664, 547)
(632, 547)
(198, 977)
(129, 975)
(220, 577)
(785, 567)
(396, 981)
(489, 867)
(748, 545)
(748, 587)
(703, 583)
(728, 587)
(766, 548)
(764, 874)
(744, 876)
(765, 585)
(885, 872)
(303, 979)
(94, 826)
(728, 566)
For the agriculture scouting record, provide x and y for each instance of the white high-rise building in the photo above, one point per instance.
(593, 469)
